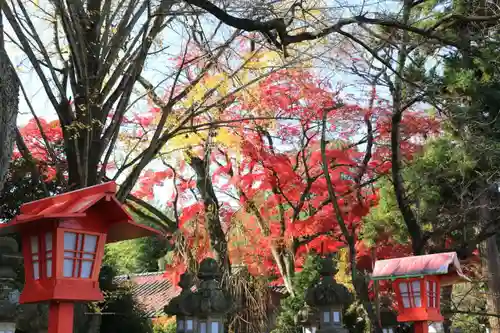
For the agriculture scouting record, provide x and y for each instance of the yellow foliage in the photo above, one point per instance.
(315, 13)
(227, 138)
(185, 141)
(343, 275)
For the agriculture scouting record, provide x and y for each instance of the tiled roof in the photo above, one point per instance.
(151, 290)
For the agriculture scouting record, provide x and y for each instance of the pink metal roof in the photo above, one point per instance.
(444, 264)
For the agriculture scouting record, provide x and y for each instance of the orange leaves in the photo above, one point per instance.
(268, 175)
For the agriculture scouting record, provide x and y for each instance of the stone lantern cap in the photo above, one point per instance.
(209, 300)
(327, 292)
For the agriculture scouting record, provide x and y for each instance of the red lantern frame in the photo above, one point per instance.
(79, 223)
(436, 270)
(429, 306)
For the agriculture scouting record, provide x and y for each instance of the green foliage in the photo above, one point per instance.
(385, 217)
(121, 312)
(136, 255)
(291, 305)
(468, 323)
(435, 182)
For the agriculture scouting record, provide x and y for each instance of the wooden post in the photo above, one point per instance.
(61, 317)
(418, 326)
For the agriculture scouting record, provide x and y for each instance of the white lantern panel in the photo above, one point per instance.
(336, 317)
(34, 244)
(415, 285)
(203, 327)
(48, 241)
(86, 269)
(214, 327)
(326, 317)
(189, 325)
(49, 268)
(403, 288)
(70, 241)
(90, 244)
(68, 268)
(36, 270)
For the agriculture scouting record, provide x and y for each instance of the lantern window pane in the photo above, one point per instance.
(427, 286)
(86, 269)
(48, 241)
(68, 268)
(90, 243)
(336, 317)
(417, 299)
(203, 327)
(405, 295)
(34, 244)
(431, 294)
(35, 258)
(49, 268)
(189, 325)
(180, 325)
(70, 241)
(326, 317)
(36, 270)
(214, 327)
(48, 254)
(79, 254)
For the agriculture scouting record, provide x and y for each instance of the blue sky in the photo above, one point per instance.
(156, 65)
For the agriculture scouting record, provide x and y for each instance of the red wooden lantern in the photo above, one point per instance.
(418, 299)
(63, 240)
(417, 282)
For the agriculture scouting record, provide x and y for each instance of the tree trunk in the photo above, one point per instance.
(490, 264)
(9, 104)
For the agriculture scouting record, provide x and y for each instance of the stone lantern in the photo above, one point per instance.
(307, 318)
(201, 310)
(329, 299)
(9, 293)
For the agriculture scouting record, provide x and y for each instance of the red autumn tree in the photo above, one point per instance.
(260, 197)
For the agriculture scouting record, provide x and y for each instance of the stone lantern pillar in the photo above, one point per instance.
(10, 258)
(202, 309)
(328, 298)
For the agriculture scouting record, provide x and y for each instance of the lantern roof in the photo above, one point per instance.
(446, 265)
(75, 204)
